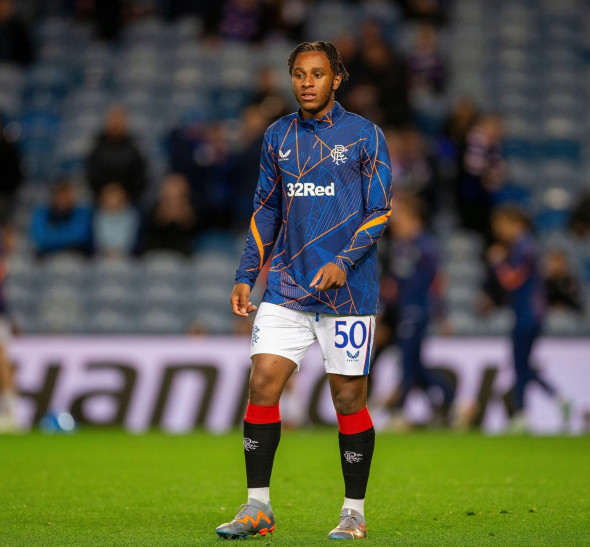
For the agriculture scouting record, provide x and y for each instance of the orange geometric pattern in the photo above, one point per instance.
(324, 195)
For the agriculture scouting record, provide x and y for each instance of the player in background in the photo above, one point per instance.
(514, 261)
(409, 294)
(8, 394)
(322, 202)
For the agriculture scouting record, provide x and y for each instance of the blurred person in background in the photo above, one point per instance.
(453, 139)
(562, 287)
(116, 156)
(426, 66)
(8, 391)
(172, 223)
(246, 163)
(11, 174)
(429, 11)
(201, 153)
(240, 20)
(481, 175)
(15, 43)
(385, 69)
(580, 218)
(409, 294)
(107, 16)
(414, 168)
(268, 96)
(515, 262)
(115, 222)
(63, 224)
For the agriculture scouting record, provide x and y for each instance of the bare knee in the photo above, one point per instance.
(268, 378)
(350, 395)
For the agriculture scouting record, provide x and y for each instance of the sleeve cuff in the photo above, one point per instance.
(242, 279)
(344, 264)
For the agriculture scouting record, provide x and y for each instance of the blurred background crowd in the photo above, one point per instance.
(130, 135)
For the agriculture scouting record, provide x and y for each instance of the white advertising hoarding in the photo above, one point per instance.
(181, 383)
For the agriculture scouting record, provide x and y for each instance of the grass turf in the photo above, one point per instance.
(111, 488)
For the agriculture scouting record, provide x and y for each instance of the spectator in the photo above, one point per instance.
(116, 222)
(426, 67)
(561, 286)
(387, 71)
(10, 172)
(269, 96)
(414, 168)
(108, 18)
(172, 223)
(240, 20)
(117, 157)
(431, 11)
(481, 175)
(580, 219)
(246, 164)
(202, 155)
(15, 43)
(63, 224)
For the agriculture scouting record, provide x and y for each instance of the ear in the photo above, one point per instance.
(336, 83)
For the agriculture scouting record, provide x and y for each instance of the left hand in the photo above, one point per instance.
(329, 277)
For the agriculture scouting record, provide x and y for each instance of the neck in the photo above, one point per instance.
(318, 115)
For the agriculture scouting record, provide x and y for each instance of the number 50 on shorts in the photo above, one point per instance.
(354, 335)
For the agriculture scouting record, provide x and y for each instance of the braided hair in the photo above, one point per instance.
(336, 63)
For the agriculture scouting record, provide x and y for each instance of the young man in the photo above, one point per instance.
(515, 264)
(324, 198)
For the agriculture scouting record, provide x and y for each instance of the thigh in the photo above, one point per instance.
(281, 332)
(346, 342)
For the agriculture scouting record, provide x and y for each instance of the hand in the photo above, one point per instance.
(240, 303)
(331, 276)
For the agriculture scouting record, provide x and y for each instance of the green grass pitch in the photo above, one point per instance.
(112, 488)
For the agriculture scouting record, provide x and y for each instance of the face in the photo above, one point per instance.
(116, 122)
(112, 197)
(505, 229)
(314, 84)
(63, 197)
(403, 224)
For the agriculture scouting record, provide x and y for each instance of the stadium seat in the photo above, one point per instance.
(158, 321)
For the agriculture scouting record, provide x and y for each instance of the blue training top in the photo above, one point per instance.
(324, 195)
(519, 275)
(415, 267)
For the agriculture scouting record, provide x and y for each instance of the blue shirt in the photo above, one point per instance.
(414, 268)
(324, 195)
(520, 276)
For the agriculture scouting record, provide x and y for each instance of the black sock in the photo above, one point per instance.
(260, 445)
(356, 453)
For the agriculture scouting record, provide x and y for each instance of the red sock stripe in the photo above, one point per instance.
(258, 414)
(360, 421)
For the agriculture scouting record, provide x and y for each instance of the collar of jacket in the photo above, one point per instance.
(312, 124)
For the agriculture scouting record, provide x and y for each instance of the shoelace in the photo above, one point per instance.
(350, 522)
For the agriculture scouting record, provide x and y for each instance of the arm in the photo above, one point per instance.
(377, 194)
(514, 271)
(264, 229)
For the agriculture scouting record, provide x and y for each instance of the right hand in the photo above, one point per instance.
(240, 303)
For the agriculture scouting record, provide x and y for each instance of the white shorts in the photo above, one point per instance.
(345, 340)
